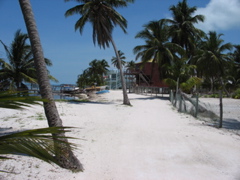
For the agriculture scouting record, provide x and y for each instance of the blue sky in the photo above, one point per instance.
(71, 53)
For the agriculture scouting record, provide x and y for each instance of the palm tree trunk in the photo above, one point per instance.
(63, 153)
(125, 96)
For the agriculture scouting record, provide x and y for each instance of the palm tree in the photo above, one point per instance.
(93, 71)
(94, 74)
(20, 68)
(84, 79)
(157, 46)
(61, 150)
(179, 75)
(234, 73)
(36, 142)
(103, 17)
(131, 65)
(212, 58)
(115, 60)
(182, 30)
(103, 69)
(97, 70)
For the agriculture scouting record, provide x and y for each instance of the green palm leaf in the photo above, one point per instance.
(37, 143)
(12, 100)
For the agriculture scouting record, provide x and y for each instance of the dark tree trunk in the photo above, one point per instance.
(64, 154)
(221, 109)
(124, 88)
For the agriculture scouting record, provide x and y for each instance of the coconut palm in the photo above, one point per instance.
(179, 75)
(115, 60)
(213, 59)
(103, 17)
(234, 73)
(103, 69)
(157, 46)
(64, 154)
(94, 74)
(131, 65)
(36, 142)
(20, 68)
(236, 53)
(97, 70)
(181, 26)
(84, 79)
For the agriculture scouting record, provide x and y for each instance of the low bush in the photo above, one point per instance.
(236, 94)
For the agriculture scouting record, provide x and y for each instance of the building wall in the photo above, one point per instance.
(147, 71)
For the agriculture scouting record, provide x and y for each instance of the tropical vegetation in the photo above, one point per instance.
(186, 56)
(94, 74)
(64, 155)
(115, 61)
(19, 67)
(103, 18)
(36, 143)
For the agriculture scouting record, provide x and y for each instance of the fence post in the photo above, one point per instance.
(196, 110)
(172, 96)
(180, 103)
(221, 109)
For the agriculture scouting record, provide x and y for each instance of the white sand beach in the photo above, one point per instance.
(148, 141)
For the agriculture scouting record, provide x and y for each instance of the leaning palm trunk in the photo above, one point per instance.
(63, 152)
(125, 96)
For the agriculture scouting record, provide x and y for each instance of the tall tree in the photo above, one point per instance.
(131, 65)
(182, 29)
(115, 60)
(234, 74)
(37, 143)
(97, 69)
(212, 58)
(103, 17)
(157, 46)
(63, 152)
(84, 79)
(19, 66)
(103, 69)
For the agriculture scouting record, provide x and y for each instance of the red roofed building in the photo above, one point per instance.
(146, 74)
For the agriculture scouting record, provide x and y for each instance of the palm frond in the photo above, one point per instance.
(37, 143)
(12, 100)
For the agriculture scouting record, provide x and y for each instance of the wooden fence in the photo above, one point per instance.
(148, 90)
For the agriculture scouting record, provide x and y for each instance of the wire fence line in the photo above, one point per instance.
(210, 111)
(192, 105)
(149, 90)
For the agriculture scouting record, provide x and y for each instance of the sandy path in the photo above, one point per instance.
(148, 141)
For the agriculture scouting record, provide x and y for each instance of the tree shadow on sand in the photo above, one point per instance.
(151, 98)
(231, 124)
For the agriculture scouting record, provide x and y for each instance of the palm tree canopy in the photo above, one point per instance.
(212, 57)
(103, 17)
(94, 74)
(115, 60)
(182, 28)
(21, 67)
(36, 143)
(236, 53)
(131, 65)
(157, 45)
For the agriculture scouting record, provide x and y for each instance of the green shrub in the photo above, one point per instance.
(236, 94)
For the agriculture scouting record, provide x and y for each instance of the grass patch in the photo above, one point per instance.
(40, 116)
(72, 100)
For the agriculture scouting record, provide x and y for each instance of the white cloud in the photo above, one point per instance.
(220, 15)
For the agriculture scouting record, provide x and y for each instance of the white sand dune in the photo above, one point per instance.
(148, 141)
